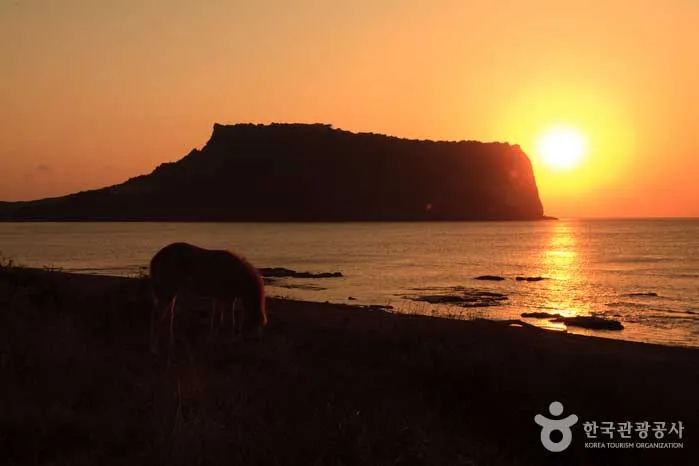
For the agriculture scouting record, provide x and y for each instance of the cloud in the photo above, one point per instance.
(37, 170)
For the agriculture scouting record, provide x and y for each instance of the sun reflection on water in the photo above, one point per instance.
(561, 262)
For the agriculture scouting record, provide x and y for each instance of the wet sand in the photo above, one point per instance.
(327, 384)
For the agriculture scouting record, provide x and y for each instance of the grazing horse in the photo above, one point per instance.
(223, 276)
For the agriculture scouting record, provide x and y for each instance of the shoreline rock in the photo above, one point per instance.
(469, 298)
(530, 279)
(282, 272)
(494, 278)
(590, 322)
(540, 315)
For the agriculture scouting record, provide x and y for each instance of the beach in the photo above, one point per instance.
(603, 268)
(325, 384)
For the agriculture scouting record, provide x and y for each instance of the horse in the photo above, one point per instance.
(221, 275)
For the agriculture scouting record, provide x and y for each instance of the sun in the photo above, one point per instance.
(562, 147)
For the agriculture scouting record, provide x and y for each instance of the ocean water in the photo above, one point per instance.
(644, 273)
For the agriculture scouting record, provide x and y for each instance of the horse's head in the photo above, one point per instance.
(255, 317)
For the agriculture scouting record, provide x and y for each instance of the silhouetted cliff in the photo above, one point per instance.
(300, 172)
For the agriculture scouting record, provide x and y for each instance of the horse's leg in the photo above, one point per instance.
(241, 307)
(154, 322)
(166, 309)
(235, 317)
(214, 305)
(172, 320)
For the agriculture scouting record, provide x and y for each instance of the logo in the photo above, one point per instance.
(548, 426)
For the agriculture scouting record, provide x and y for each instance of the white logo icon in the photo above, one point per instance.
(562, 425)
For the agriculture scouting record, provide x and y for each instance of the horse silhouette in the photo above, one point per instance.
(225, 277)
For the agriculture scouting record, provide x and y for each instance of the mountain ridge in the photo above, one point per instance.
(312, 172)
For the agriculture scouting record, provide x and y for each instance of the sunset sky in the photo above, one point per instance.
(96, 91)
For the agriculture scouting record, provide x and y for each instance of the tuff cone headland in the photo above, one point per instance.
(313, 172)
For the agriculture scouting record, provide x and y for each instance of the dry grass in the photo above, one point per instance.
(327, 384)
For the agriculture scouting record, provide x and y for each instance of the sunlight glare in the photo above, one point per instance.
(562, 147)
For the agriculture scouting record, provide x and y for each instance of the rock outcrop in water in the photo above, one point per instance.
(591, 322)
(301, 172)
(465, 298)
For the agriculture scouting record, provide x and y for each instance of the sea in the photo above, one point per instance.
(641, 272)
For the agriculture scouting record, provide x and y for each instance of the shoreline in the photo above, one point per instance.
(327, 383)
(101, 283)
(286, 293)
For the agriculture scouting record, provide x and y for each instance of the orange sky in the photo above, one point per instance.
(94, 92)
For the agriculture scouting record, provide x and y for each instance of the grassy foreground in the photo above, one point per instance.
(327, 384)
